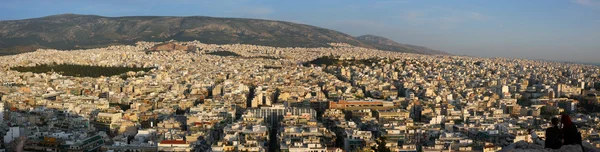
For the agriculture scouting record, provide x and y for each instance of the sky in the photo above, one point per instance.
(559, 30)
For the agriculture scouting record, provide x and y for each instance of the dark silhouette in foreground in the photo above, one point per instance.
(570, 134)
(553, 135)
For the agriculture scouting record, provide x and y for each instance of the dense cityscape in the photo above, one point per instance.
(238, 97)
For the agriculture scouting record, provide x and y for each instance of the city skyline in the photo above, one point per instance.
(557, 31)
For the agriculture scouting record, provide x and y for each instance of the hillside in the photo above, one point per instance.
(72, 31)
(382, 43)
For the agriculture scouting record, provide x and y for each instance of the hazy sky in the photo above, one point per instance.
(566, 30)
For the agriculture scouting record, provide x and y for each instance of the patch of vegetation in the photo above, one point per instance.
(263, 57)
(331, 60)
(272, 67)
(224, 53)
(233, 54)
(544, 111)
(381, 145)
(79, 70)
(123, 107)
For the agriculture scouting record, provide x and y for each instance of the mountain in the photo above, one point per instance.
(382, 43)
(72, 31)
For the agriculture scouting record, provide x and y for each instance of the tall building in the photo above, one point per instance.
(559, 90)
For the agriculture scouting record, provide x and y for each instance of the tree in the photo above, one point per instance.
(523, 102)
(365, 149)
(548, 111)
(381, 145)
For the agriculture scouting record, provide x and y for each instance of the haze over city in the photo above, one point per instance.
(565, 30)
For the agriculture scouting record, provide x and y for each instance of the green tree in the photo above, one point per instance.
(381, 145)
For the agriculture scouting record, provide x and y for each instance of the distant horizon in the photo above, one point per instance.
(558, 30)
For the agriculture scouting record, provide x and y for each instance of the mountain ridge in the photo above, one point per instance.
(74, 31)
(383, 43)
